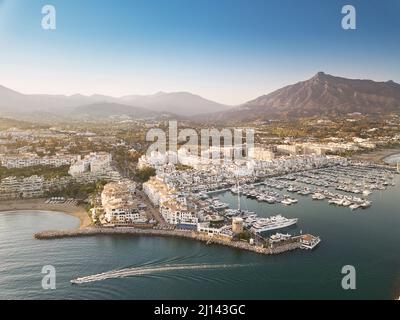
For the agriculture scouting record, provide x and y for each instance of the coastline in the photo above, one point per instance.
(188, 235)
(377, 156)
(87, 230)
(40, 205)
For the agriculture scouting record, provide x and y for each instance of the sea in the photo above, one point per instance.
(393, 159)
(162, 268)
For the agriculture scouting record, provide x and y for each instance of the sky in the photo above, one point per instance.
(229, 51)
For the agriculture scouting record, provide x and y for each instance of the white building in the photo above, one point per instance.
(93, 167)
(177, 213)
(157, 191)
(30, 160)
(119, 203)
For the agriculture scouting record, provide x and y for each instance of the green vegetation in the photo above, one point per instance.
(182, 167)
(78, 191)
(7, 123)
(48, 172)
(145, 173)
(245, 235)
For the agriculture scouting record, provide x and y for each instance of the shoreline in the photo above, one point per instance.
(188, 235)
(377, 156)
(86, 229)
(40, 205)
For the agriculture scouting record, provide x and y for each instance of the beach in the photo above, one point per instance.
(40, 205)
(377, 156)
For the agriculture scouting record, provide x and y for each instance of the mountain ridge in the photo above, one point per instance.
(321, 95)
(180, 103)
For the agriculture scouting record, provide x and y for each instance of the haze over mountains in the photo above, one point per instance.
(323, 96)
(179, 103)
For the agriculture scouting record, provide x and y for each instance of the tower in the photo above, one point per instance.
(237, 225)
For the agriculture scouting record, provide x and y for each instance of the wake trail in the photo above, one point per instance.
(139, 271)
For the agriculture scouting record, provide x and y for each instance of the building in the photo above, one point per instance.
(94, 167)
(32, 159)
(178, 213)
(120, 205)
(157, 191)
(94, 162)
(262, 154)
(237, 225)
(223, 233)
(291, 149)
(156, 159)
(30, 187)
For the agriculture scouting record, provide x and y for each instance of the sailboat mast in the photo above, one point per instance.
(238, 195)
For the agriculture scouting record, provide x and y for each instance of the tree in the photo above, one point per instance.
(144, 174)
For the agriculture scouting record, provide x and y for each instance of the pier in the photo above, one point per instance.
(190, 235)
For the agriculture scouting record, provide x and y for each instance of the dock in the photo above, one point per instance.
(189, 235)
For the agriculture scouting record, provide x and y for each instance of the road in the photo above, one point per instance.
(151, 211)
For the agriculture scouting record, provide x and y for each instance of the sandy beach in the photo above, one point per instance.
(377, 156)
(40, 205)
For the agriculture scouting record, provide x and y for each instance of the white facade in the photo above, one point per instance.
(175, 213)
(157, 191)
(119, 203)
(30, 160)
(94, 166)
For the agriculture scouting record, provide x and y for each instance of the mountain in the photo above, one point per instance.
(322, 95)
(181, 103)
(14, 102)
(10, 98)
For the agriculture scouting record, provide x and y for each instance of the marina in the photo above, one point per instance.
(345, 238)
(346, 186)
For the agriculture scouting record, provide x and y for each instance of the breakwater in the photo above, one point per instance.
(190, 235)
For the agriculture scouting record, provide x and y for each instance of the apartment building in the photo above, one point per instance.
(177, 212)
(120, 205)
(29, 160)
(157, 190)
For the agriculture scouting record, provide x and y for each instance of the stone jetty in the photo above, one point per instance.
(190, 235)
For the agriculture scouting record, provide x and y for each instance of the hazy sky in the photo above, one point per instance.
(230, 51)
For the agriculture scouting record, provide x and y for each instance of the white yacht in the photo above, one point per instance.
(272, 223)
(318, 196)
(366, 192)
(286, 202)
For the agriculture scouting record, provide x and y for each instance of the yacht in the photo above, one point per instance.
(366, 192)
(231, 212)
(286, 202)
(318, 196)
(219, 205)
(272, 223)
(292, 189)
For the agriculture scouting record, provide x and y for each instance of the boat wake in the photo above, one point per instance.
(139, 271)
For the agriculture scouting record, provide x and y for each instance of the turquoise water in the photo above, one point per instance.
(368, 239)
